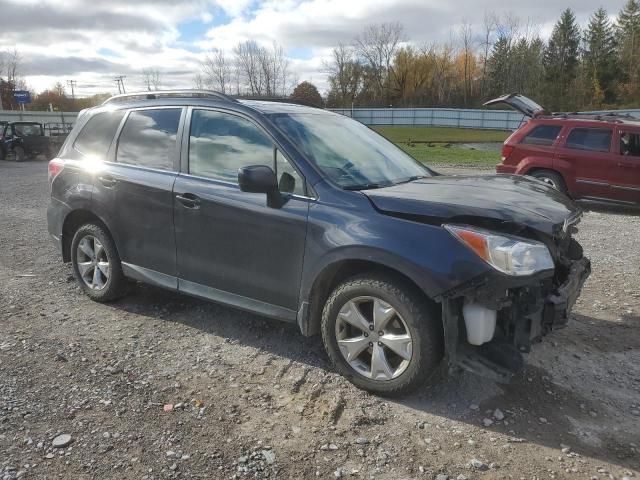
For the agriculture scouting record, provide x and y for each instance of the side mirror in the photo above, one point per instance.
(257, 179)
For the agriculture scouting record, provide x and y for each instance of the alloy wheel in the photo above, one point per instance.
(93, 262)
(373, 338)
(548, 181)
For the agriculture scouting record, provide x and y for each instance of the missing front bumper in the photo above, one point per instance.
(529, 311)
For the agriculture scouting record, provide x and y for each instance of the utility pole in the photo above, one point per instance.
(72, 84)
(120, 82)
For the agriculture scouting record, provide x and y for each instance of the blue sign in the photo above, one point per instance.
(22, 96)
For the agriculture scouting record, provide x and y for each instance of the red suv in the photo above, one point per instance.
(586, 156)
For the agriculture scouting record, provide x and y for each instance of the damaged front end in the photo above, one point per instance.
(491, 321)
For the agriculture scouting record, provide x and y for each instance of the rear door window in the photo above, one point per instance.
(96, 136)
(543, 135)
(591, 139)
(148, 138)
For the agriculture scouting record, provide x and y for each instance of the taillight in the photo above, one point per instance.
(507, 150)
(55, 167)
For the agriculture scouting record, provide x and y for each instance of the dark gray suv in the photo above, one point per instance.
(307, 216)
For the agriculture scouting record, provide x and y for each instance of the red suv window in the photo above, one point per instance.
(542, 135)
(593, 139)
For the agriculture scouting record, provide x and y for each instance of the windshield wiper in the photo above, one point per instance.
(367, 186)
(410, 179)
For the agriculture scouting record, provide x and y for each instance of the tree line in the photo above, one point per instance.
(577, 68)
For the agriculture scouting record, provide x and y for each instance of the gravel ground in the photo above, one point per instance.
(84, 387)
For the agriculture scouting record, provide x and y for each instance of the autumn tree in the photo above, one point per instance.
(307, 93)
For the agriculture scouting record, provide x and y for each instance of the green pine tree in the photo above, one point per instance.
(561, 62)
(599, 54)
(498, 66)
(628, 31)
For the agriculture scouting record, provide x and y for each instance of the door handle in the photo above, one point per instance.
(562, 156)
(627, 165)
(189, 200)
(108, 181)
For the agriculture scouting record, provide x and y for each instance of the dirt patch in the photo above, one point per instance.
(252, 398)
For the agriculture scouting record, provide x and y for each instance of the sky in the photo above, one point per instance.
(93, 41)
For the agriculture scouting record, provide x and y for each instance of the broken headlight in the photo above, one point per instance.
(508, 254)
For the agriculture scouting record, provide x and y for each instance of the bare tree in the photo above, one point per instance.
(198, 81)
(12, 63)
(216, 70)
(466, 39)
(151, 78)
(489, 26)
(345, 73)
(247, 55)
(377, 45)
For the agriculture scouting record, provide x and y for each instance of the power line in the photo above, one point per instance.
(120, 82)
(72, 84)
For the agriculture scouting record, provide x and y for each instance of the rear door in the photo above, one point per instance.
(135, 190)
(626, 175)
(538, 145)
(232, 246)
(586, 160)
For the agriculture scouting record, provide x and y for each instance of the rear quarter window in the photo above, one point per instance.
(590, 139)
(96, 136)
(543, 135)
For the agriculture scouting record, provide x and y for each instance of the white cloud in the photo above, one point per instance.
(92, 42)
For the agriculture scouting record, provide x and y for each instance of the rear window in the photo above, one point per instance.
(148, 138)
(96, 136)
(27, 129)
(592, 139)
(542, 135)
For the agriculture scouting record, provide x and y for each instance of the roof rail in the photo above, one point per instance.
(611, 117)
(293, 101)
(152, 95)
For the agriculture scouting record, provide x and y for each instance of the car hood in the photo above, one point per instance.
(494, 199)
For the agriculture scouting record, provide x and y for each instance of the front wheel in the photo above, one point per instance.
(382, 335)
(96, 264)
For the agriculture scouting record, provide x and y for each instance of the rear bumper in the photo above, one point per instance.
(56, 213)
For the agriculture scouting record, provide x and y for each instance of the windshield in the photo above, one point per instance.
(27, 129)
(350, 154)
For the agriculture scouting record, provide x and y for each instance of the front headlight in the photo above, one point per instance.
(510, 255)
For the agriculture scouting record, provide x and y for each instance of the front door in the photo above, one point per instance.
(626, 176)
(587, 157)
(231, 246)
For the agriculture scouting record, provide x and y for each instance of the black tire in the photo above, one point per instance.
(116, 283)
(423, 321)
(19, 154)
(551, 178)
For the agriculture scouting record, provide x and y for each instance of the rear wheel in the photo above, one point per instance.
(551, 178)
(381, 334)
(96, 264)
